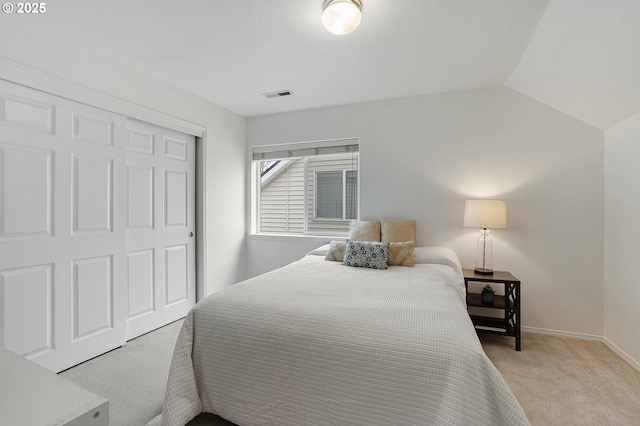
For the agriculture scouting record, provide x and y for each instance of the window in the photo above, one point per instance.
(306, 188)
(335, 195)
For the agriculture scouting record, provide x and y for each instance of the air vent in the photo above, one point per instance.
(278, 94)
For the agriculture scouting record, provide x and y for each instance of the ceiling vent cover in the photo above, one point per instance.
(278, 94)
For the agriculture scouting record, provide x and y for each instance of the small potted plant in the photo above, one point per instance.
(488, 296)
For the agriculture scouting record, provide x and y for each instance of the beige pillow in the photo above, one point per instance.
(397, 231)
(401, 254)
(336, 251)
(366, 230)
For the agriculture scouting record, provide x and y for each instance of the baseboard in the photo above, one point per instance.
(559, 333)
(608, 343)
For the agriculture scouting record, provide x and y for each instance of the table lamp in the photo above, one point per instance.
(485, 214)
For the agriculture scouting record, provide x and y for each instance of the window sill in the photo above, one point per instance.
(301, 237)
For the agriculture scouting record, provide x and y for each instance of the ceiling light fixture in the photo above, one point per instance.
(341, 17)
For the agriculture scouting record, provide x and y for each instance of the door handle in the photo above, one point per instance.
(190, 234)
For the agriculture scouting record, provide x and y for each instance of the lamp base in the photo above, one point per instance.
(483, 271)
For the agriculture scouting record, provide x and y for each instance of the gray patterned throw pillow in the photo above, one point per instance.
(366, 254)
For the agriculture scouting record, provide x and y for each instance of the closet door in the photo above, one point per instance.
(160, 226)
(62, 228)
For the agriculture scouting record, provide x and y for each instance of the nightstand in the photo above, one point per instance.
(509, 304)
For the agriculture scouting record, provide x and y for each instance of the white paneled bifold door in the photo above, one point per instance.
(74, 281)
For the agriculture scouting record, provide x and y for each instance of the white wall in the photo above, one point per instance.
(31, 44)
(421, 157)
(622, 238)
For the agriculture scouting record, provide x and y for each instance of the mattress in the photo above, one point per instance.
(319, 343)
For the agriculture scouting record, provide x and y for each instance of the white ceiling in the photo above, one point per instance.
(579, 56)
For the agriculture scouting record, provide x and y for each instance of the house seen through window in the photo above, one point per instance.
(307, 188)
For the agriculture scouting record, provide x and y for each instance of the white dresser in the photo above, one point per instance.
(31, 395)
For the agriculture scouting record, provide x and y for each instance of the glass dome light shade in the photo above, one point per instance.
(341, 17)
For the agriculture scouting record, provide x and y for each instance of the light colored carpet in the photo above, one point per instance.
(558, 381)
(133, 378)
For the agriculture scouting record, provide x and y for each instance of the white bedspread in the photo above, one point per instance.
(318, 343)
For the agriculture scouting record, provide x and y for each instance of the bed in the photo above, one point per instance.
(320, 343)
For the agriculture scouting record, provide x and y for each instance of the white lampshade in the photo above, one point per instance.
(341, 17)
(485, 214)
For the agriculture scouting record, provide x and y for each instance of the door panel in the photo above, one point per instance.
(176, 278)
(161, 216)
(90, 128)
(176, 149)
(26, 114)
(27, 191)
(26, 297)
(175, 198)
(62, 228)
(140, 198)
(140, 141)
(142, 294)
(92, 204)
(92, 296)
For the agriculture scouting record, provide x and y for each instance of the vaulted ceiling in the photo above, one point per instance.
(581, 57)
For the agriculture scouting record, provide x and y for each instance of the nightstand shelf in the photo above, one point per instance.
(509, 304)
(492, 325)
